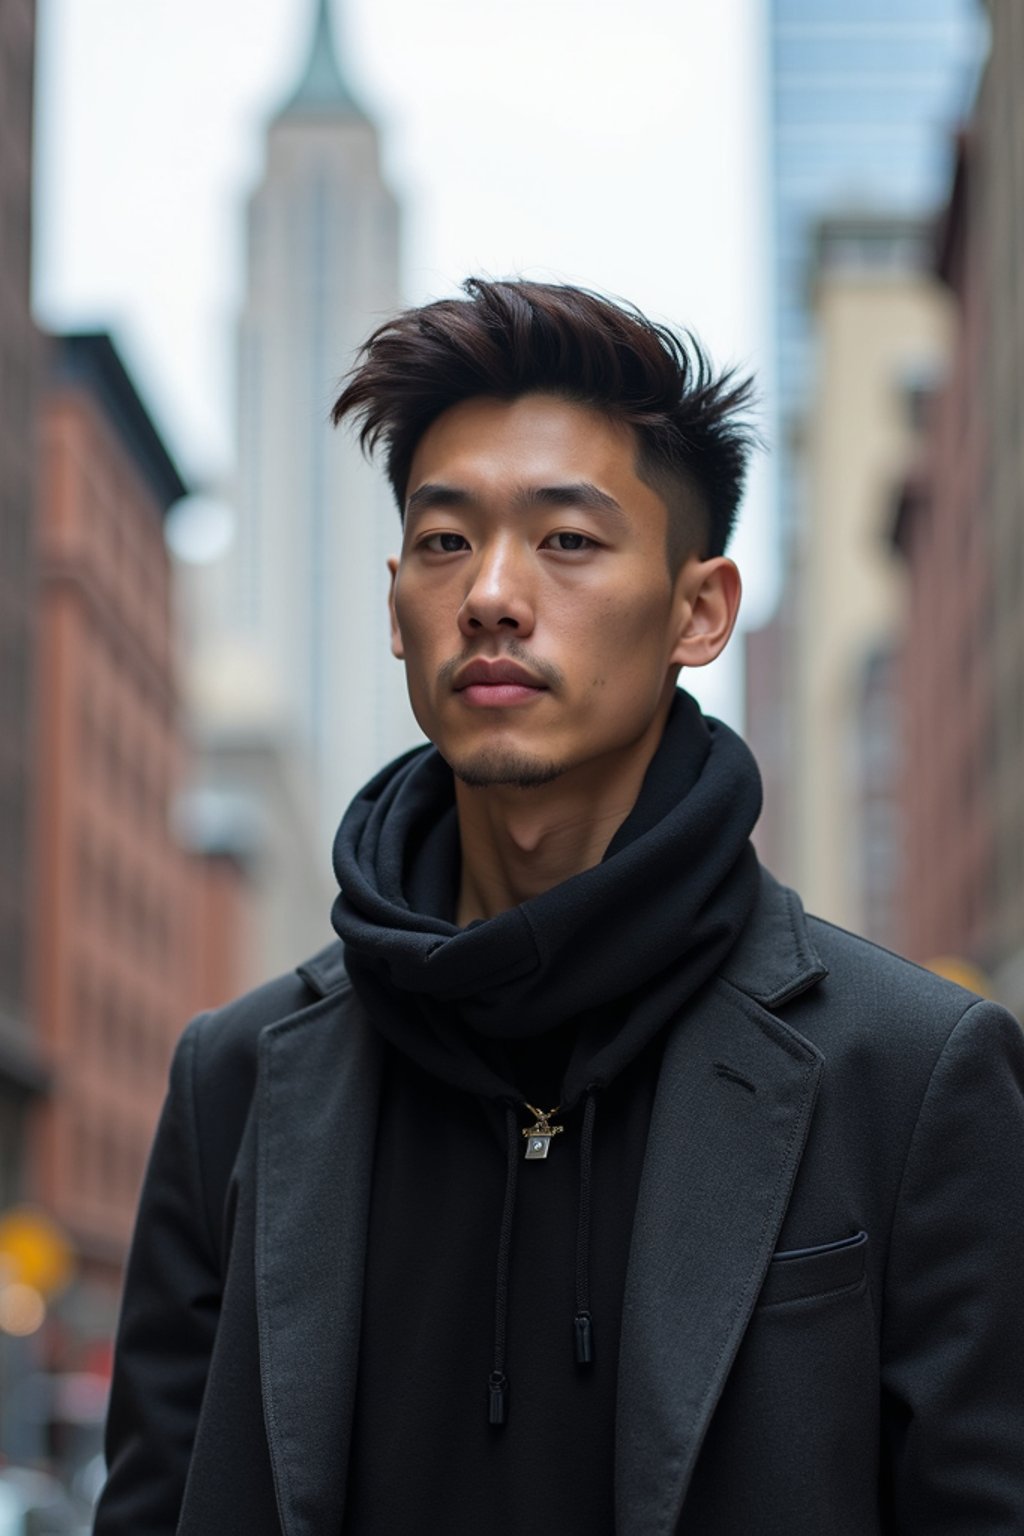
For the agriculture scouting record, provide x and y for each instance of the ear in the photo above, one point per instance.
(397, 648)
(708, 593)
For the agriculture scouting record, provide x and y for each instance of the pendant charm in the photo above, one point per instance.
(538, 1136)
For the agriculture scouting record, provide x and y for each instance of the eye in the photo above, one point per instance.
(444, 543)
(568, 543)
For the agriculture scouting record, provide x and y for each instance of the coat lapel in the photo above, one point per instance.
(319, 1083)
(730, 1118)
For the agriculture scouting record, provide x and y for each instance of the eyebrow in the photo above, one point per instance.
(577, 493)
(432, 495)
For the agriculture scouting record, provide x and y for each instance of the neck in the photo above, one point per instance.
(518, 843)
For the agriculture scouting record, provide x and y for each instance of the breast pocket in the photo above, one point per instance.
(804, 1274)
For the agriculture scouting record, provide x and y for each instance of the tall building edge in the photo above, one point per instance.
(22, 1071)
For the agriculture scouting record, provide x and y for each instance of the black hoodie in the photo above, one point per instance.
(494, 1286)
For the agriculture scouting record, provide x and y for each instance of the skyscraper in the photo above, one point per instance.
(296, 700)
(308, 581)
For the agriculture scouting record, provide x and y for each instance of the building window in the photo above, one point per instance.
(83, 1006)
(84, 871)
(82, 1159)
(111, 1025)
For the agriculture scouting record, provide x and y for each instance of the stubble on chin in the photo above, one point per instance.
(494, 766)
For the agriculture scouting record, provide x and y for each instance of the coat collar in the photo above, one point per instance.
(325, 971)
(731, 1115)
(774, 959)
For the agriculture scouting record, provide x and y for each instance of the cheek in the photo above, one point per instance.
(632, 632)
(627, 648)
(413, 617)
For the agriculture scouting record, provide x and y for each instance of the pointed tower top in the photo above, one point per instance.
(323, 88)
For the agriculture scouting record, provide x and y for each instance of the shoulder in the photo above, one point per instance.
(215, 1071)
(871, 979)
(852, 999)
(909, 1062)
(853, 962)
(872, 1001)
(219, 1050)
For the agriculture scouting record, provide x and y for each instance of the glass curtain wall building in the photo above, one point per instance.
(864, 95)
(863, 100)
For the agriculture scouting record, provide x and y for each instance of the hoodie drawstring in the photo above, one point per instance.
(583, 1326)
(497, 1383)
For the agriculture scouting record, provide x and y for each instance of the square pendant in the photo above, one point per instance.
(537, 1146)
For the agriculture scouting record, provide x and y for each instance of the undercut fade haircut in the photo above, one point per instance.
(507, 339)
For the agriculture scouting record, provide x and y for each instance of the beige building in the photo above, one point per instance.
(882, 328)
(251, 802)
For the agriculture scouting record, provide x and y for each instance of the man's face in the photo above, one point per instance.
(533, 604)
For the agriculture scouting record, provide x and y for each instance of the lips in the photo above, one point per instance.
(500, 684)
(495, 674)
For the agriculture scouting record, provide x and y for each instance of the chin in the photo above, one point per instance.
(495, 765)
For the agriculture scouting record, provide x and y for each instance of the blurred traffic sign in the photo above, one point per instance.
(34, 1251)
(964, 972)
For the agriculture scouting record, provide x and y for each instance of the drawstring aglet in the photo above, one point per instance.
(584, 1330)
(497, 1388)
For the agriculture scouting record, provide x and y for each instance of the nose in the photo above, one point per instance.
(499, 596)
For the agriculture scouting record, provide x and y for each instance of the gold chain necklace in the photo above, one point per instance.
(538, 1136)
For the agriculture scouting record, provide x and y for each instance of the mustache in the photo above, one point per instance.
(512, 650)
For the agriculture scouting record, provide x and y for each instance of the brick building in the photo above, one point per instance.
(20, 1071)
(115, 937)
(945, 673)
(999, 216)
(961, 529)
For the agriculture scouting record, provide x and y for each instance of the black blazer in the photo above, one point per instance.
(823, 1329)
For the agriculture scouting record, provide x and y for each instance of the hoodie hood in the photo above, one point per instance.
(611, 953)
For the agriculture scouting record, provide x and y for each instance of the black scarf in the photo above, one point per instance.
(611, 953)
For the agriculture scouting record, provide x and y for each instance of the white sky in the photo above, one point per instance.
(617, 145)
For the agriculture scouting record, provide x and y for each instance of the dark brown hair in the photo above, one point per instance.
(507, 339)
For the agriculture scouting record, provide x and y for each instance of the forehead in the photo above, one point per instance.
(488, 444)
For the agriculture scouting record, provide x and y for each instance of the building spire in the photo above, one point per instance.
(323, 88)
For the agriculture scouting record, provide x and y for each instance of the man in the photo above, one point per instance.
(587, 1185)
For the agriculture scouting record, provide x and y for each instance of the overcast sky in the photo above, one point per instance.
(621, 145)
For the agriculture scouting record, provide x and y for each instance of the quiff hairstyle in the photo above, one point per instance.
(506, 339)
